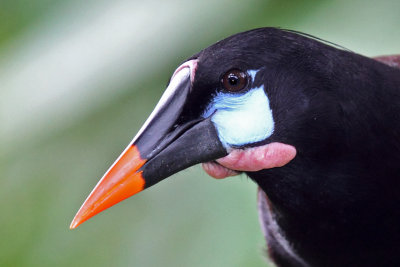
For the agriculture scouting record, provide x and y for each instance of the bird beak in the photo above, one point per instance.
(161, 148)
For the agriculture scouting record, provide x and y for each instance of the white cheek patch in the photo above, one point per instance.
(241, 119)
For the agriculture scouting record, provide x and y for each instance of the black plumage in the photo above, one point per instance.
(337, 202)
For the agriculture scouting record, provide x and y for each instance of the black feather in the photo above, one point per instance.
(337, 202)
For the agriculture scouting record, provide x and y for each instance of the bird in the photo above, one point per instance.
(314, 125)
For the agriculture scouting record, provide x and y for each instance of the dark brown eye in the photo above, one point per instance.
(234, 80)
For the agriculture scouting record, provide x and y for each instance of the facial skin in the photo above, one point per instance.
(252, 159)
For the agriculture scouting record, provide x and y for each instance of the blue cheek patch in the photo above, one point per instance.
(241, 119)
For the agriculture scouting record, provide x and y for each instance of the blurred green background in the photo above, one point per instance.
(77, 80)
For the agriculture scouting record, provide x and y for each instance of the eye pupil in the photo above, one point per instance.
(234, 80)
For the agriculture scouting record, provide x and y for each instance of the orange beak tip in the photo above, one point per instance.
(73, 225)
(78, 220)
(121, 181)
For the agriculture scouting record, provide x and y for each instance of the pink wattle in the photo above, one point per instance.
(251, 159)
(218, 171)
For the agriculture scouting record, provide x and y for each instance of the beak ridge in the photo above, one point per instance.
(159, 149)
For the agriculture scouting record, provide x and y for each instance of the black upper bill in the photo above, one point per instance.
(169, 147)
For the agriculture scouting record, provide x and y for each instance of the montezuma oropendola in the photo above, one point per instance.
(317, 127)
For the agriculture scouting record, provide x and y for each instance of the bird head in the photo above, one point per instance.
(248, 90)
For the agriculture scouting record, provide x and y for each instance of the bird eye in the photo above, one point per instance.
(234, 80)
